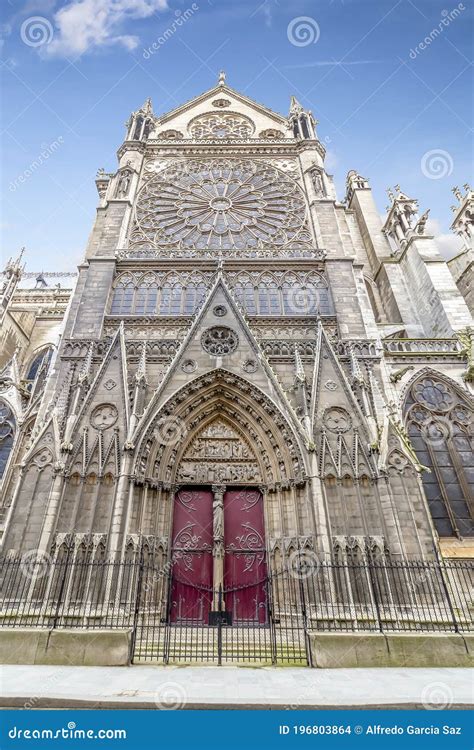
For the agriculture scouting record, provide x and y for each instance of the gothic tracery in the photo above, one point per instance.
(440, 425)
(221, 125)
(220, 204)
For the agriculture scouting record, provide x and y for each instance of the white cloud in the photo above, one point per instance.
(85, 25)
(448, 243)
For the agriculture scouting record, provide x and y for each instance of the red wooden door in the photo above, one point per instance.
(244, 564)
(191, 598)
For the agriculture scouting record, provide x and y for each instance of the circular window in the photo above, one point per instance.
(219, 340)
(220, 311)
(434, 395)
(220, 204)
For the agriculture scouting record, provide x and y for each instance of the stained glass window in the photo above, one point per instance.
(220, 204)
(440, 425)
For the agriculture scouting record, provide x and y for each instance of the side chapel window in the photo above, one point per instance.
(441, 428)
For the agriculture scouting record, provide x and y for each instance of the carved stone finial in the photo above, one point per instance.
(147, 107)
(222, 78)
(421, 223)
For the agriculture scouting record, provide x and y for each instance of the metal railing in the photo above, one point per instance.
(291, 602)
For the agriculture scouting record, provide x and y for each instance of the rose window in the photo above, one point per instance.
(218, 125)
(220, 204)
(219, 340)
(434, 394)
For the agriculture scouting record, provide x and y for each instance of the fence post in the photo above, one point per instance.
(374, 590)
(219, 626)
(136, 613)
(61, 588)
(304, 615)
(271, 619)
(167, 639)
(448, 597)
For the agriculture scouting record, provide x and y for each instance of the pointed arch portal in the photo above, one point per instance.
(218, 536)
(231, 444)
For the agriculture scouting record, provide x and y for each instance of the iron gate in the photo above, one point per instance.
(273, 630)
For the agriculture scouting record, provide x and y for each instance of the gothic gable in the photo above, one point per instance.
(220, 337)
(221, 112)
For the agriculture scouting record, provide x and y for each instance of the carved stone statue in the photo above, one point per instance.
(124, 184)
(318, 184)
(218, 518)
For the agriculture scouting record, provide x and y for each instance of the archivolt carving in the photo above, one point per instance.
(250, 412)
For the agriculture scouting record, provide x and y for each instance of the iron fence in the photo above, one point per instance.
(290, 603)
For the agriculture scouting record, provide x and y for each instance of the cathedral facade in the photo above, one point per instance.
(248, 365)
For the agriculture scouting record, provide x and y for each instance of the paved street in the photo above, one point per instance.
(233, 687)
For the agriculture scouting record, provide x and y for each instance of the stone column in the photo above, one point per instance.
(218, 542)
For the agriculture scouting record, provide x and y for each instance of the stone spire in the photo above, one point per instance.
(463, 222)
(301, 121)
(402, 218)
(12, 273)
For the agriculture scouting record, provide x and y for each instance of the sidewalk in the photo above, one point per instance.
(233, 687)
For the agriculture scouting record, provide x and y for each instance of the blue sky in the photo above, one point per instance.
(73, 71)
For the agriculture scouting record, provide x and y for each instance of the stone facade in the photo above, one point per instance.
(235, 324)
